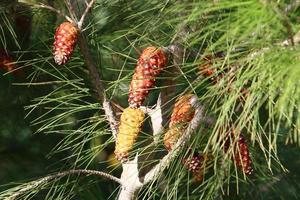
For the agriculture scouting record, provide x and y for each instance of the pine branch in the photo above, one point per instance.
(130, 175)
(71, 10)
(165, 161)
(156, 118)
(34, 184)
(287, 42)
(292, 6)
(130, 180)
(48, 7)
(97, 82)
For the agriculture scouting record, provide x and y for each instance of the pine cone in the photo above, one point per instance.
(241, 153)
(171, 137)
(207, 69)
(130, 126)
(65, 40)
(183, 113)
(195, 165)
(205, 66)
(6, 61)
(149, 65)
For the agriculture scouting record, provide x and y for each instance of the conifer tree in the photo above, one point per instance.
(174, 99)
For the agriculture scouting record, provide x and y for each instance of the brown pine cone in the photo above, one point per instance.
(241, 153)
(65, 40)
(183, 113)
(195, 165)
(149, 65)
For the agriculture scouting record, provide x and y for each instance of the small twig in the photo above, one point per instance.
(71, 10)
(287, 42)
(96, 80)
(87, 9)
(39, 182)
(292, 6)
(82, 43)
(166, 160)
(41, 5)
(296, 40)
(286, 22)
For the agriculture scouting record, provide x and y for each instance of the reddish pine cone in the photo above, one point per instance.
(171, 137)
(65, 40)
(205, 66)
(149, 65)
(207, 69)
(129, 129)
(195, 165)
(241, 153)
(183, 113)
(6, 62)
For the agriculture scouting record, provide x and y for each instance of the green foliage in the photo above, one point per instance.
(249, 34)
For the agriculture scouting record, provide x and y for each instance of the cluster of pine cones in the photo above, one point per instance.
(149, 65)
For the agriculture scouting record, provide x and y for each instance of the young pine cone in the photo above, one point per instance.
(65, 40)
(241, 156)
(195, 165)
(149, 65)
(207, 69)
(129, 129)
(183, 113)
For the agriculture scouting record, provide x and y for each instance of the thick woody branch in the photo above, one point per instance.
(130, 180)
(156, 118)
(97, 82)
(95, 76)
(34, 184)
